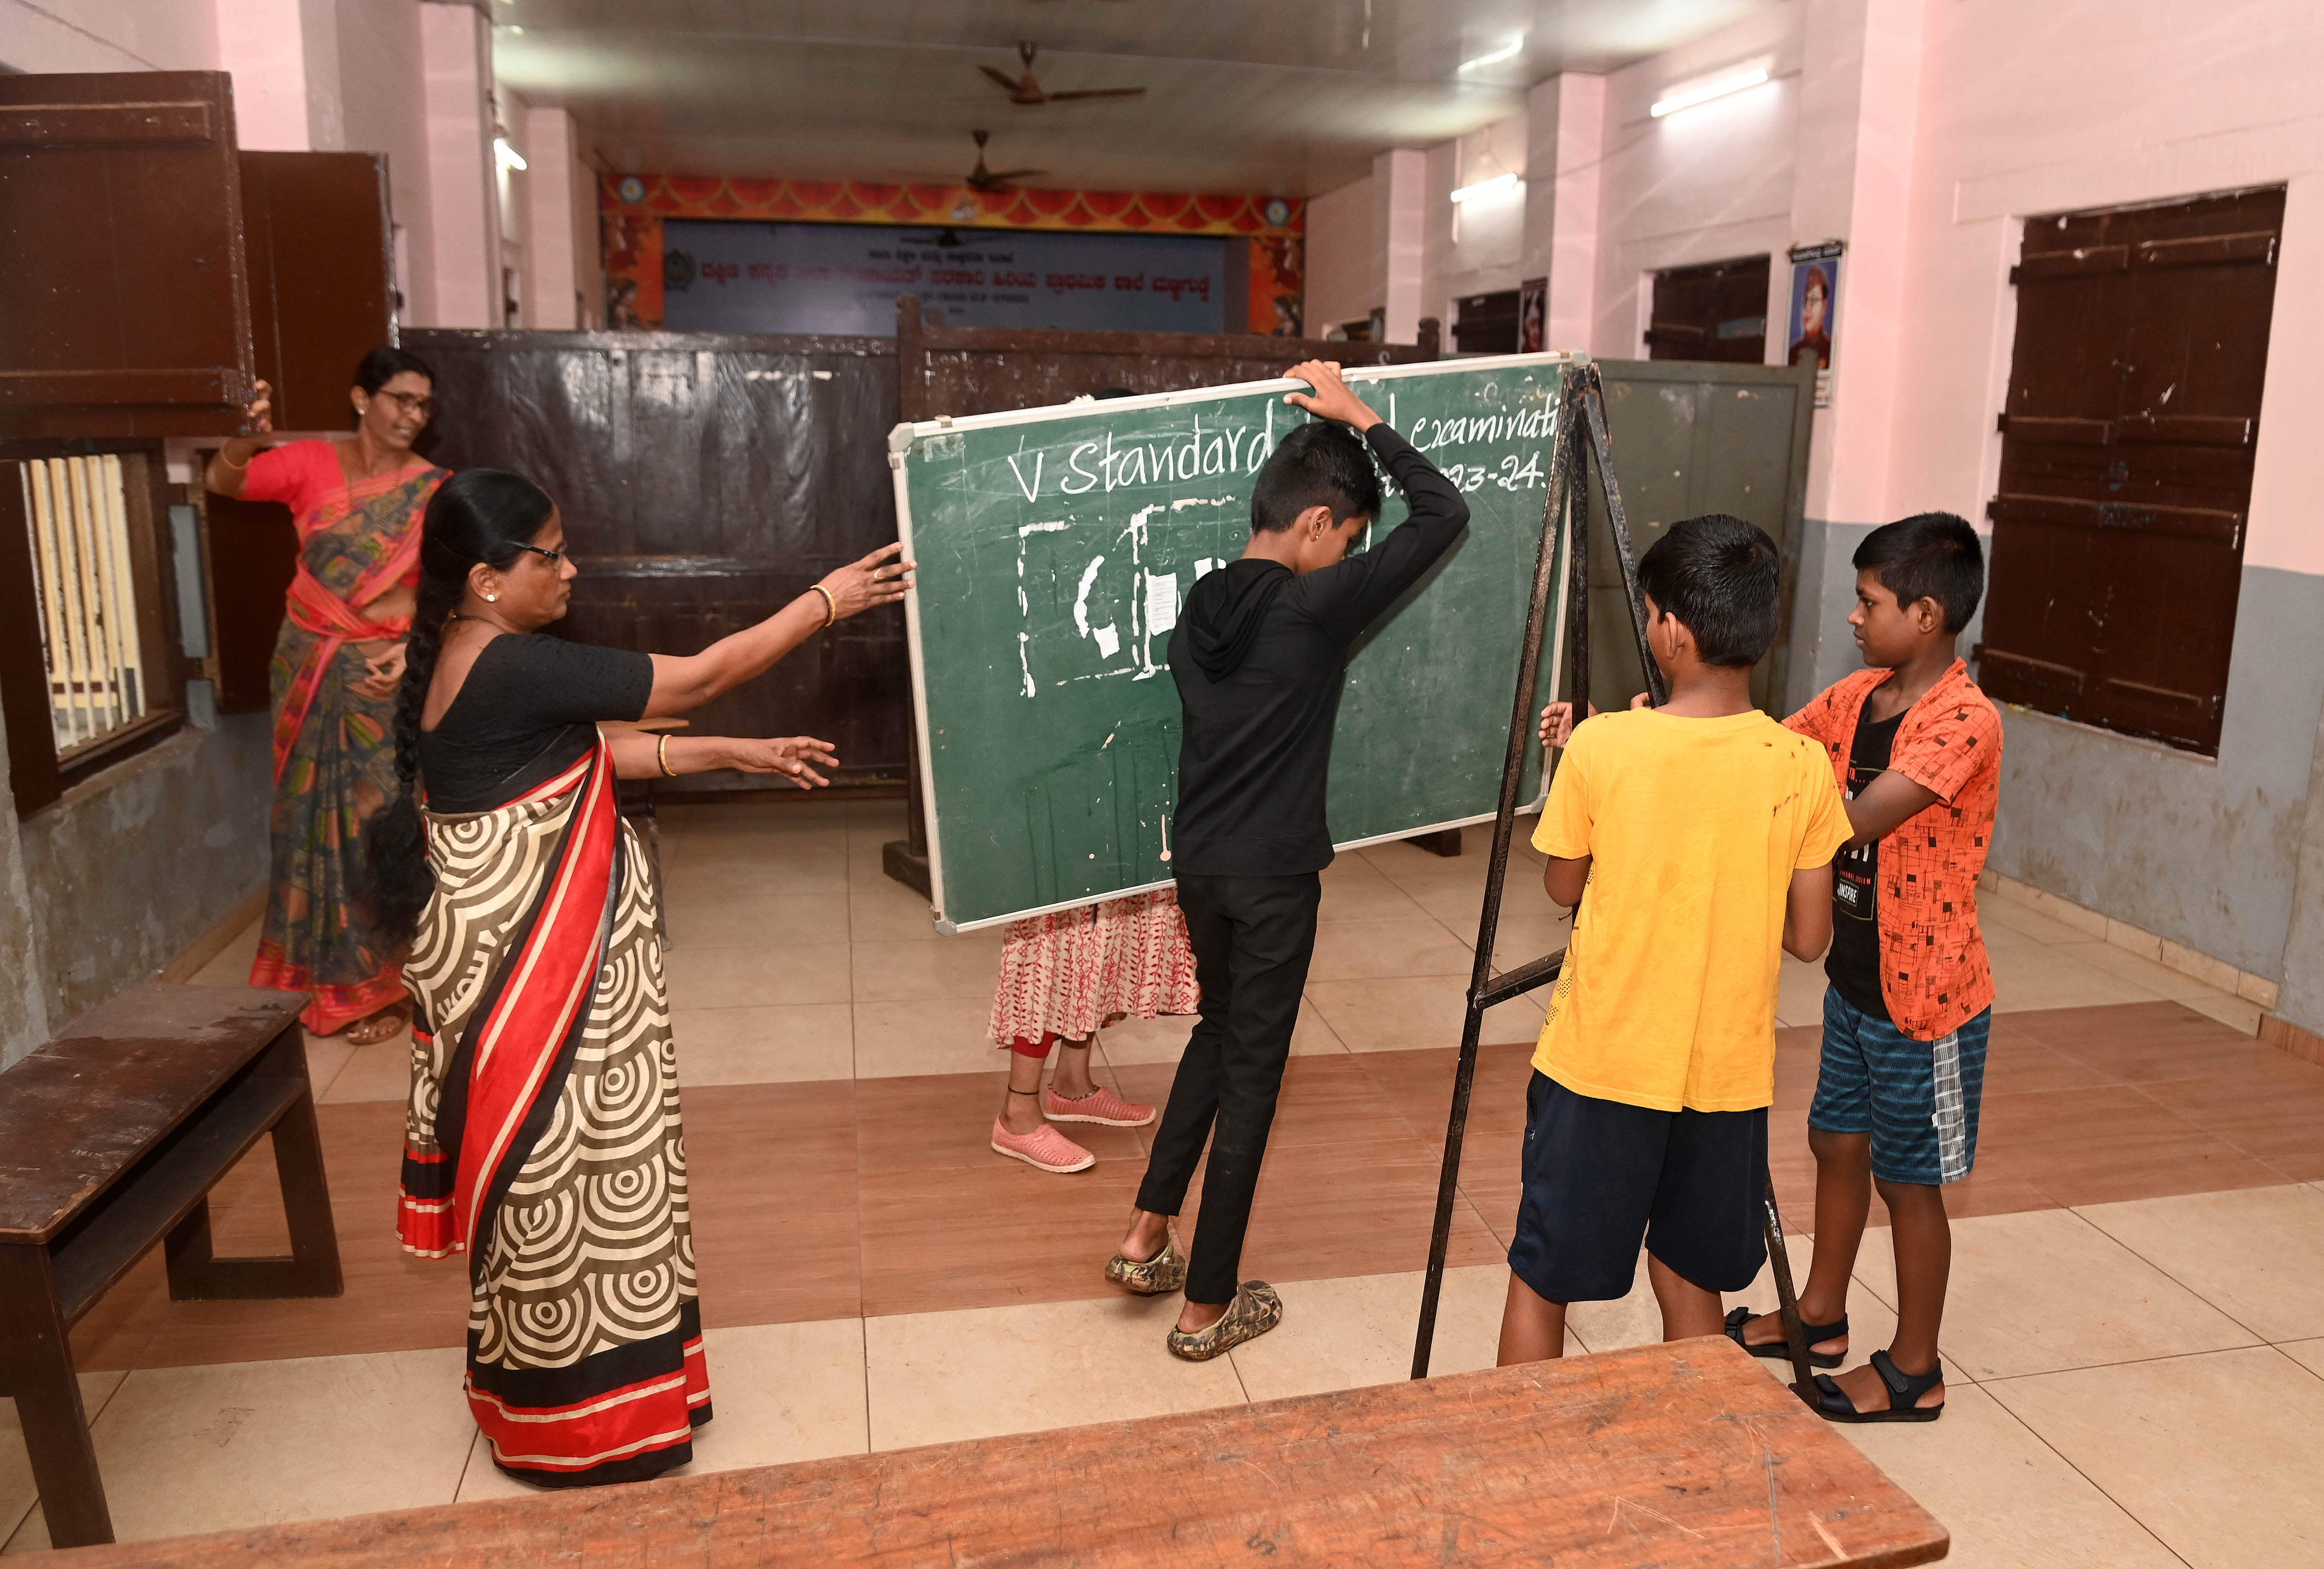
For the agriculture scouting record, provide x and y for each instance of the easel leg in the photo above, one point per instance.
(1563, 460)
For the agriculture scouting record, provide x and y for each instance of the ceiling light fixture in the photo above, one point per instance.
(510, 158)
(1508, 50)
(1718, 88)
(1485, 187)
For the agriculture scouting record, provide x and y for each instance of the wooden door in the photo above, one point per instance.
(121, 256)
(321, 256)
(2127, 463)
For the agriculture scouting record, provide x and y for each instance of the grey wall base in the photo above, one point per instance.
(110, 883)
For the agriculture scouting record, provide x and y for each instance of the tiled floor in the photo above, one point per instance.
(2135, 1339)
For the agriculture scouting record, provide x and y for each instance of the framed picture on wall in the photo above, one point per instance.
(1815, 311)
(1532, 315)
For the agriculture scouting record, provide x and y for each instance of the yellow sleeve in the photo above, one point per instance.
(1564, 830)
(1827, 827)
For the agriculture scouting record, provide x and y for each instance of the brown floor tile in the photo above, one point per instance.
(1327, 1210)
(2141, 1042)
(944, 1120)
(2114, 1143)
(2023, 1064)
(772, 1181)
(990, 1235)
(2271, 1109)
(1420, 1084)
(114, 1333)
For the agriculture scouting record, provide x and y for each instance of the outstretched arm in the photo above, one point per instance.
(688, 681)
(639, 754)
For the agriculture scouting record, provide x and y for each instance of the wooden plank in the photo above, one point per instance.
(1686, 1457)
(61, 125)
(79, 1112)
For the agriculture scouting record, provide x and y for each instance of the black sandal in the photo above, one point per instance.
(1904, 1391)
(1781, 1351)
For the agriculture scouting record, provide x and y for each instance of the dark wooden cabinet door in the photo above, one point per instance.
(251, 551)
(320, 249)
(121, 256)
(2127, 463)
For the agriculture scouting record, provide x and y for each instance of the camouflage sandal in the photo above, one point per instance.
(1163, 1273)
(1257, 1308)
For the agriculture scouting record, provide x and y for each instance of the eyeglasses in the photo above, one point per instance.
(410, 404)
(554, 556)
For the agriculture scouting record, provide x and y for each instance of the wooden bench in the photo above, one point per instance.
(111, 1137)
(1685, 1456)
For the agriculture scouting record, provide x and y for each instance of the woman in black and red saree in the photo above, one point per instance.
(542, 1136)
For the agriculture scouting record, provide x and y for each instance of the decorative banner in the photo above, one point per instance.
(1532, 315)
(634, 206)
(720, 275)
(1815, 309)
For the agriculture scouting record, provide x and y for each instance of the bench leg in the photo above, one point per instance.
(36, 1367)
(312, 1270)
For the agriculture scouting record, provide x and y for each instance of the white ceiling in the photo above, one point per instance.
(1286, 96)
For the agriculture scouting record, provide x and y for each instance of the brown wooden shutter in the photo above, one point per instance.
(320, 251)
(121, 256)
(2126, 461)
(1717, 311)
(251, 550)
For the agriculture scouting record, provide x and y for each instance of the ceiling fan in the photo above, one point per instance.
(983, 178)
(1025, 92)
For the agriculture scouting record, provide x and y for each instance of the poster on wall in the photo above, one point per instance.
(1532, 315)
(722, 275)
(1815, 305)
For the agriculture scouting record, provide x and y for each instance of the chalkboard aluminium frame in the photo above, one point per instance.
(904, 439)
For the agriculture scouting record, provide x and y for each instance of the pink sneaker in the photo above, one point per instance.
(1044, 1147)
(1100, 1105)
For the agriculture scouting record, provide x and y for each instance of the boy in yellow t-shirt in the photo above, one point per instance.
(1703, 834)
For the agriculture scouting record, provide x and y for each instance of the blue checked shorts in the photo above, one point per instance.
(1918, 1098)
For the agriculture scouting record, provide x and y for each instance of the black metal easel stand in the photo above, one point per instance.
(1581, 414)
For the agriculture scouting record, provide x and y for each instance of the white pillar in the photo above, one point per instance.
(284, 58)
(1565, 131)
(456, 49)
(1859, 94)
(1399, 238)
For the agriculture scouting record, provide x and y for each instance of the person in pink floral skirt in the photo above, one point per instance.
(1062, 976)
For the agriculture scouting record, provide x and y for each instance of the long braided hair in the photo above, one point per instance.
(478, 517)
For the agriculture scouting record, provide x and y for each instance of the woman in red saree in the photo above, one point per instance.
(357, 503)
(542, 1137)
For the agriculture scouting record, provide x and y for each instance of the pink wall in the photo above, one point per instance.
(2035, 106)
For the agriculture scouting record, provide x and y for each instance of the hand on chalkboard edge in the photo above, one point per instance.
(1331, 400)
(880, 579)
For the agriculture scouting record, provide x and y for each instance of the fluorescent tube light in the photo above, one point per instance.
(1708, 90)
(509, 156)
(1508, 50)
(1485, 187)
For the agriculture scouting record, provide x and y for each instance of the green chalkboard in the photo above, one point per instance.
(1055, 546)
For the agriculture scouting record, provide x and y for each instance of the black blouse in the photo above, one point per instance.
(528, 711)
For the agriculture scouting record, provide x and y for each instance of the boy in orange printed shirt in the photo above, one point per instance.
(1917, 749)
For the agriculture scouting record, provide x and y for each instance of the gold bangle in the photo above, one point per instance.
(831, 606)
(662, 756)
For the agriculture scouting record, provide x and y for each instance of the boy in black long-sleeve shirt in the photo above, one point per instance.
(1259, 658)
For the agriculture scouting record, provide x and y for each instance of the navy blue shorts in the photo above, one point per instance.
(1601, 1176)
(1918, 1098)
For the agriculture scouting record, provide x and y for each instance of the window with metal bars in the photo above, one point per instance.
(86, 582)
(2127, 453)
(87, 667)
